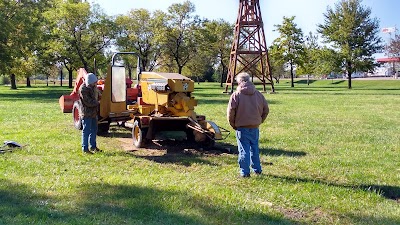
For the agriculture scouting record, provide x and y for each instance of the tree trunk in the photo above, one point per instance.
(223, 74)
(70, 78)
(291, 75)
(61, 76)
(129, 71)
(349, 72)
(28, 82)
(180, 69)
(86, 66)
(349, 80)
(13, 82)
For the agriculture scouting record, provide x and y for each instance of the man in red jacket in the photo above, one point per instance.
(247, 109)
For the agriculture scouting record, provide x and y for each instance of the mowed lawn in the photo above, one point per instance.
(330, 155)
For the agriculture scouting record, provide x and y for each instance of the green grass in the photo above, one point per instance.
(330, 156)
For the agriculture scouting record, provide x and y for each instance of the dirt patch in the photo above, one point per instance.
(161, 147)
(292, 214)
(316, 215)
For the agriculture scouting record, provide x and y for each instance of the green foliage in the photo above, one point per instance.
(352, 31)
(329, 156)
(139, 31)
(328, 60)
(80, 32)
(214, 40)
(277, 62)
(20, 36)
(217, 41)
(311, 47)
(289, 44)
(179, 39)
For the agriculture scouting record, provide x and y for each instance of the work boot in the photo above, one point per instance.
(96, 150)
(244, 176)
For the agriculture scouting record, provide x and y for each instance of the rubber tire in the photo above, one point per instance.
(76, 114)
(139, 135)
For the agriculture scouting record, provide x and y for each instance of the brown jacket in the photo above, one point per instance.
(247, 107)
(89, 101)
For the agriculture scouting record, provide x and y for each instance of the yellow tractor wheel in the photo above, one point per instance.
(139, 135)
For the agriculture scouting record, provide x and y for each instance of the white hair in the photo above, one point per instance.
(242, 77)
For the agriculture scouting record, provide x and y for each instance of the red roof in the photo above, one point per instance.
(392, 59)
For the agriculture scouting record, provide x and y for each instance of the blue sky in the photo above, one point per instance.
(308, 13)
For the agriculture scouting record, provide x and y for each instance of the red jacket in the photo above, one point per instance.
(247, 107)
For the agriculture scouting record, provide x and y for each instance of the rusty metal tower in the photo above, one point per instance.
(249, 51)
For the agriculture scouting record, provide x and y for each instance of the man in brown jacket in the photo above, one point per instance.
(88, 96)
(247, 109)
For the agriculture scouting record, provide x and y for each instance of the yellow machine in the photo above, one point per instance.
(167, 104)
(158, 102)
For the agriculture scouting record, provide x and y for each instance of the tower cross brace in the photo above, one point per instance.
(249, 52)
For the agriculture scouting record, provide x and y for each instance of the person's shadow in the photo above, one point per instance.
(281, 152)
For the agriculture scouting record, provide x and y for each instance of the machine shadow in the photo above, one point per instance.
(388, 192)
(182, 153)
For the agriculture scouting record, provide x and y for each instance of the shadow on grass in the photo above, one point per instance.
(181, 152)
(42, 94)
(19, 204)
(101, 203)
(304, 81)
(280, 152)
(184, 159)
(144, 205)
(389, 192)
(338, 82)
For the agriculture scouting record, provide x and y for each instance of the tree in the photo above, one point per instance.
(139, 31)
(179, 45)
(277, 62)
(290, 44)
(308, 59)
(351, 30)
(217, 41)
(326, 61)
(81, 33)
(393, 49)
(20, 36)
(214, 39)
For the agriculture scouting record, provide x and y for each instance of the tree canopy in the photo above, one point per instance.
(41, 37)
(353, 33)
(289, 44)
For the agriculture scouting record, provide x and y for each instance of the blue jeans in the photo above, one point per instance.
(89, 132)
(249, 153)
